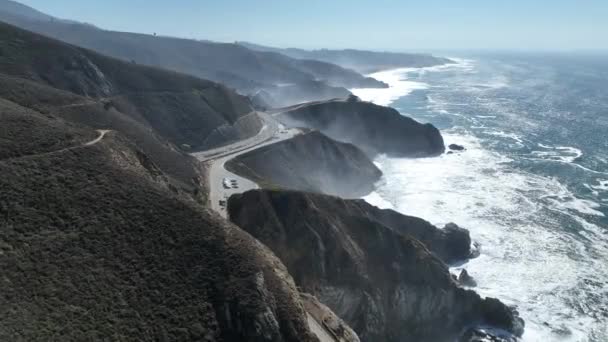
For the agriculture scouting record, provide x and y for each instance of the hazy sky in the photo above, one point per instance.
(374, 24)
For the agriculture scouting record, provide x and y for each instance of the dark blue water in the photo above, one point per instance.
(532, 186)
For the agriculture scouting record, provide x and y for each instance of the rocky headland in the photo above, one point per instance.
(370, 268)
(373, 128)
(310, 162)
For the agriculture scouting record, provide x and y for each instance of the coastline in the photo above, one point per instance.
(482, 191)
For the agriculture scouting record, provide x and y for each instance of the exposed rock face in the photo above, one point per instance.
(310, 162)
(455, 147)
(465, 279)
(375, 129)
(381, 280)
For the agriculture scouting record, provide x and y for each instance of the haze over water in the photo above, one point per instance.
(532, 186)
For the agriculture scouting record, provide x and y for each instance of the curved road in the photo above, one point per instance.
(271, 132)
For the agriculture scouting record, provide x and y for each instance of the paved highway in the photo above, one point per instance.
(271, 132)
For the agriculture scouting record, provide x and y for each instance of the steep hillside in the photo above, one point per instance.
(182, 109)
(375, 129)
(310, 162)
(359, 60)
(235, 65)
(166, 114)
(26, 132)
(95, 244)
(382, 281)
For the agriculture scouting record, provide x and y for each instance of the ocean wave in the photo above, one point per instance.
(398, 87)
(503, 134)
(602, 186)
(508, 212)
(376, 200)
(567, 155)
(541, 242)
(399, 84)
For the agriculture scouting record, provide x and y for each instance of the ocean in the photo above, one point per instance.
(531, 187)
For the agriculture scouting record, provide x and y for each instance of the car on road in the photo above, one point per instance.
(222, 203)
(226, 183)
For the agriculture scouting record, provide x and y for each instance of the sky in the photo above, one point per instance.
(399, 25)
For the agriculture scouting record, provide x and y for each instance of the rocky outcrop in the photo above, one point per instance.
(450, 244)
(456, 147)
(375, 129)
(465, 279)
(376, 275)
(310, 162)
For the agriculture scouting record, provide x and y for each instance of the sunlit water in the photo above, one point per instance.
(532, 186)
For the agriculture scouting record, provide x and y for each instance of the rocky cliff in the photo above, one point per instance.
(375, 129)
(372, 270)
(310, 162)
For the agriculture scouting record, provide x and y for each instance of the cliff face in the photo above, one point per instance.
(375, 129)
(310, 162)
(372, 270)
(96, 244)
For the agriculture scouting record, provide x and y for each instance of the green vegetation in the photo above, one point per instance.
(95, 245)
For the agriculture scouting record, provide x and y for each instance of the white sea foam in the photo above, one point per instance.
(398, 86)
(528, 259)
(567, 154)
(398, 82)
(523, 262)
(375, 199)
(602, 186)
(561, 154)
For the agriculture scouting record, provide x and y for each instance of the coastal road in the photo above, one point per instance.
(271, 132)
